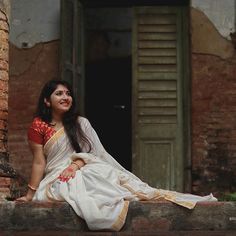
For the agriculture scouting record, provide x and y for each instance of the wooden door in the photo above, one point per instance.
(159, 90)
(72, 47)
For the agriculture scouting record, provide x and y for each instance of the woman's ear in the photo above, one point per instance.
(47, 102)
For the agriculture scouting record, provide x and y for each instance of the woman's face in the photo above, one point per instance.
(60, 100)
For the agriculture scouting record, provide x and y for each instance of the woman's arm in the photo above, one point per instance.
(70, 171)
(38, 167)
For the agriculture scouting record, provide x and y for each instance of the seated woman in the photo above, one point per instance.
(70, 164)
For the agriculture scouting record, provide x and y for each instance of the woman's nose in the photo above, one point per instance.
(65, 96)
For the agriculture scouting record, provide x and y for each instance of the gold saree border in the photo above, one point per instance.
(161, 196)
(53, 139)
(142, 196)
(121, 217)
(189, 205)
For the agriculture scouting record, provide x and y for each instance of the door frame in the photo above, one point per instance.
(76, 68)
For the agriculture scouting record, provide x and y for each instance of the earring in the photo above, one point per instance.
(47, 103)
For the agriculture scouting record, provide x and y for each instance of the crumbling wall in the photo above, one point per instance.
(213, 108)
(5, 171)
(213, 67)
(34, 59)
(29, 71)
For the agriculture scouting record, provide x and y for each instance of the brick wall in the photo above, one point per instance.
(213, 104)
(4, 31)
(4, 67)
(213, 123)
(213, 108)
(29, 70)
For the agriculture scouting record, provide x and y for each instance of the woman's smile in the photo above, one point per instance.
(65, 103)
(60, 100)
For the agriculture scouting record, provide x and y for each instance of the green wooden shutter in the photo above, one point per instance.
(71, 57)
(158, 96)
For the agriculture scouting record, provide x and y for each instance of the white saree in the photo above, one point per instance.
(101, 190)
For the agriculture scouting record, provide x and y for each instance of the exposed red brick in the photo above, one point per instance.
(30, 68)
(4, 50)
(3, 35)
(3, 105)
(3, 65)
(3, 16)
(5, 182)
(4, 192)
(4, 26)
(213, 124)
(3, 79)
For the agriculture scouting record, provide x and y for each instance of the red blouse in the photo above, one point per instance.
(40, 132)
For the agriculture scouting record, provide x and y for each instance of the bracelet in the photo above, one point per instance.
(32, 188)
(73, 162)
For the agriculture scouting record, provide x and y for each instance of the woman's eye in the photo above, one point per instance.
(68, 93)
(58, 93)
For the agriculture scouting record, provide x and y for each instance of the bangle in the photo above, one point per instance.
(75, 163)
(32, 188)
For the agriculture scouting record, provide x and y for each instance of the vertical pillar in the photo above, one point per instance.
(6, 172)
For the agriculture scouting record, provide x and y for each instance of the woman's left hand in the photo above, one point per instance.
(68, 173)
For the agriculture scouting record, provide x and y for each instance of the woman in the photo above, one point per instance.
(70, 164)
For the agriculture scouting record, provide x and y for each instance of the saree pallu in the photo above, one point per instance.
(101, 190)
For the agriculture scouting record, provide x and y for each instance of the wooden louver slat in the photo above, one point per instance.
(156, 44)
(146, 95)
(157, 36)
(156, 28)
(157, 103)
(157, 52)
(170, 60)
(160, 19)
(157, 68)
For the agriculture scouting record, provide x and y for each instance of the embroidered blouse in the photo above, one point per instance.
(40, 131)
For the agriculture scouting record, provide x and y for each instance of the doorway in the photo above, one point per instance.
(108, 78)
(101, 77)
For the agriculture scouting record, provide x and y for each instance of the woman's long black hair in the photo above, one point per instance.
(70, 118)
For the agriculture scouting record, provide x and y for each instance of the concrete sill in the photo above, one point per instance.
(149, 217)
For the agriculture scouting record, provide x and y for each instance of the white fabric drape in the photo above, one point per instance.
(101, 190)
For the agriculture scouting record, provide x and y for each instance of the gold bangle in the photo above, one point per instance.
(32, 188)
(73, 162)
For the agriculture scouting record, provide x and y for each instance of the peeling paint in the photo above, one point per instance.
(206, 39)
(221, 14)
(34, 21)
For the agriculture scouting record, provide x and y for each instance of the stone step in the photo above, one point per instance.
(144, 218)
(73, 233)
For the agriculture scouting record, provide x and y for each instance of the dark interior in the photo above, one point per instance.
(130, 3)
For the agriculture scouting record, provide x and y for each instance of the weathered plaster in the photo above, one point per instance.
(205, 37)
(34, 21)
(221, 14)
(5, 7)
(28, 58)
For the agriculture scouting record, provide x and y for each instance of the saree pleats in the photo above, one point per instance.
(101, 190)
